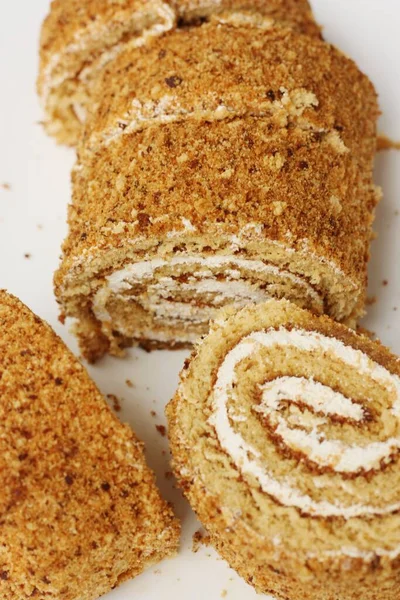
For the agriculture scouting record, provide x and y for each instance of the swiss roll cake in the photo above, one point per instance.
(80, 510)
(285, 437)
(79, 38)
(224, 165)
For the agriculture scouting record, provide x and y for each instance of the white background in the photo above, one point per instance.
(32, 221)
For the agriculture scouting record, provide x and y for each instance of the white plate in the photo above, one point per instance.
(32, 221)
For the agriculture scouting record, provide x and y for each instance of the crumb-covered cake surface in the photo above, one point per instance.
(224, 70)
(226, 164)
(80, 38)
(285, 436)
(79, 507)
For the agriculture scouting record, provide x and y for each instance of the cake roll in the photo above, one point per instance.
(80, 510)
(224, 165)
(79, 38)
(285, 437)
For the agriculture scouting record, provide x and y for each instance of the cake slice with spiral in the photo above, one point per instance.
(80, 37)
(225, 165)
(285, 436)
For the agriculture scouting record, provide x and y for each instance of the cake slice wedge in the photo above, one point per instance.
(80, 510)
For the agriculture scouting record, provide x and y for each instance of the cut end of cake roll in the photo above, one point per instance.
(198, 186)
(80, 508)
(79, 39)
(163, 294)
(285, 437)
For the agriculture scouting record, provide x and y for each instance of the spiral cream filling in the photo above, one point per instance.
(321, 399)
(209, 283)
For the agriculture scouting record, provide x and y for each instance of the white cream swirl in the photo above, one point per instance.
(321, 399)
(161, 291)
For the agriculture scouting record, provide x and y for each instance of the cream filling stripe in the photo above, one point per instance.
(246, 457)
(326, 453)
(234, 289)
(168, 109)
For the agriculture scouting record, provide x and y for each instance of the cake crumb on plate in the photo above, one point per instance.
(161, 430)
(200, 537)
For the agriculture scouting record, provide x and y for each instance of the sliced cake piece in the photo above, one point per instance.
(225, 165)
(80, 37)
(80, 510)
(285, 436)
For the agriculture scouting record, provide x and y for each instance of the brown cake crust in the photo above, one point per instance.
(80, 509)
(280, 549)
